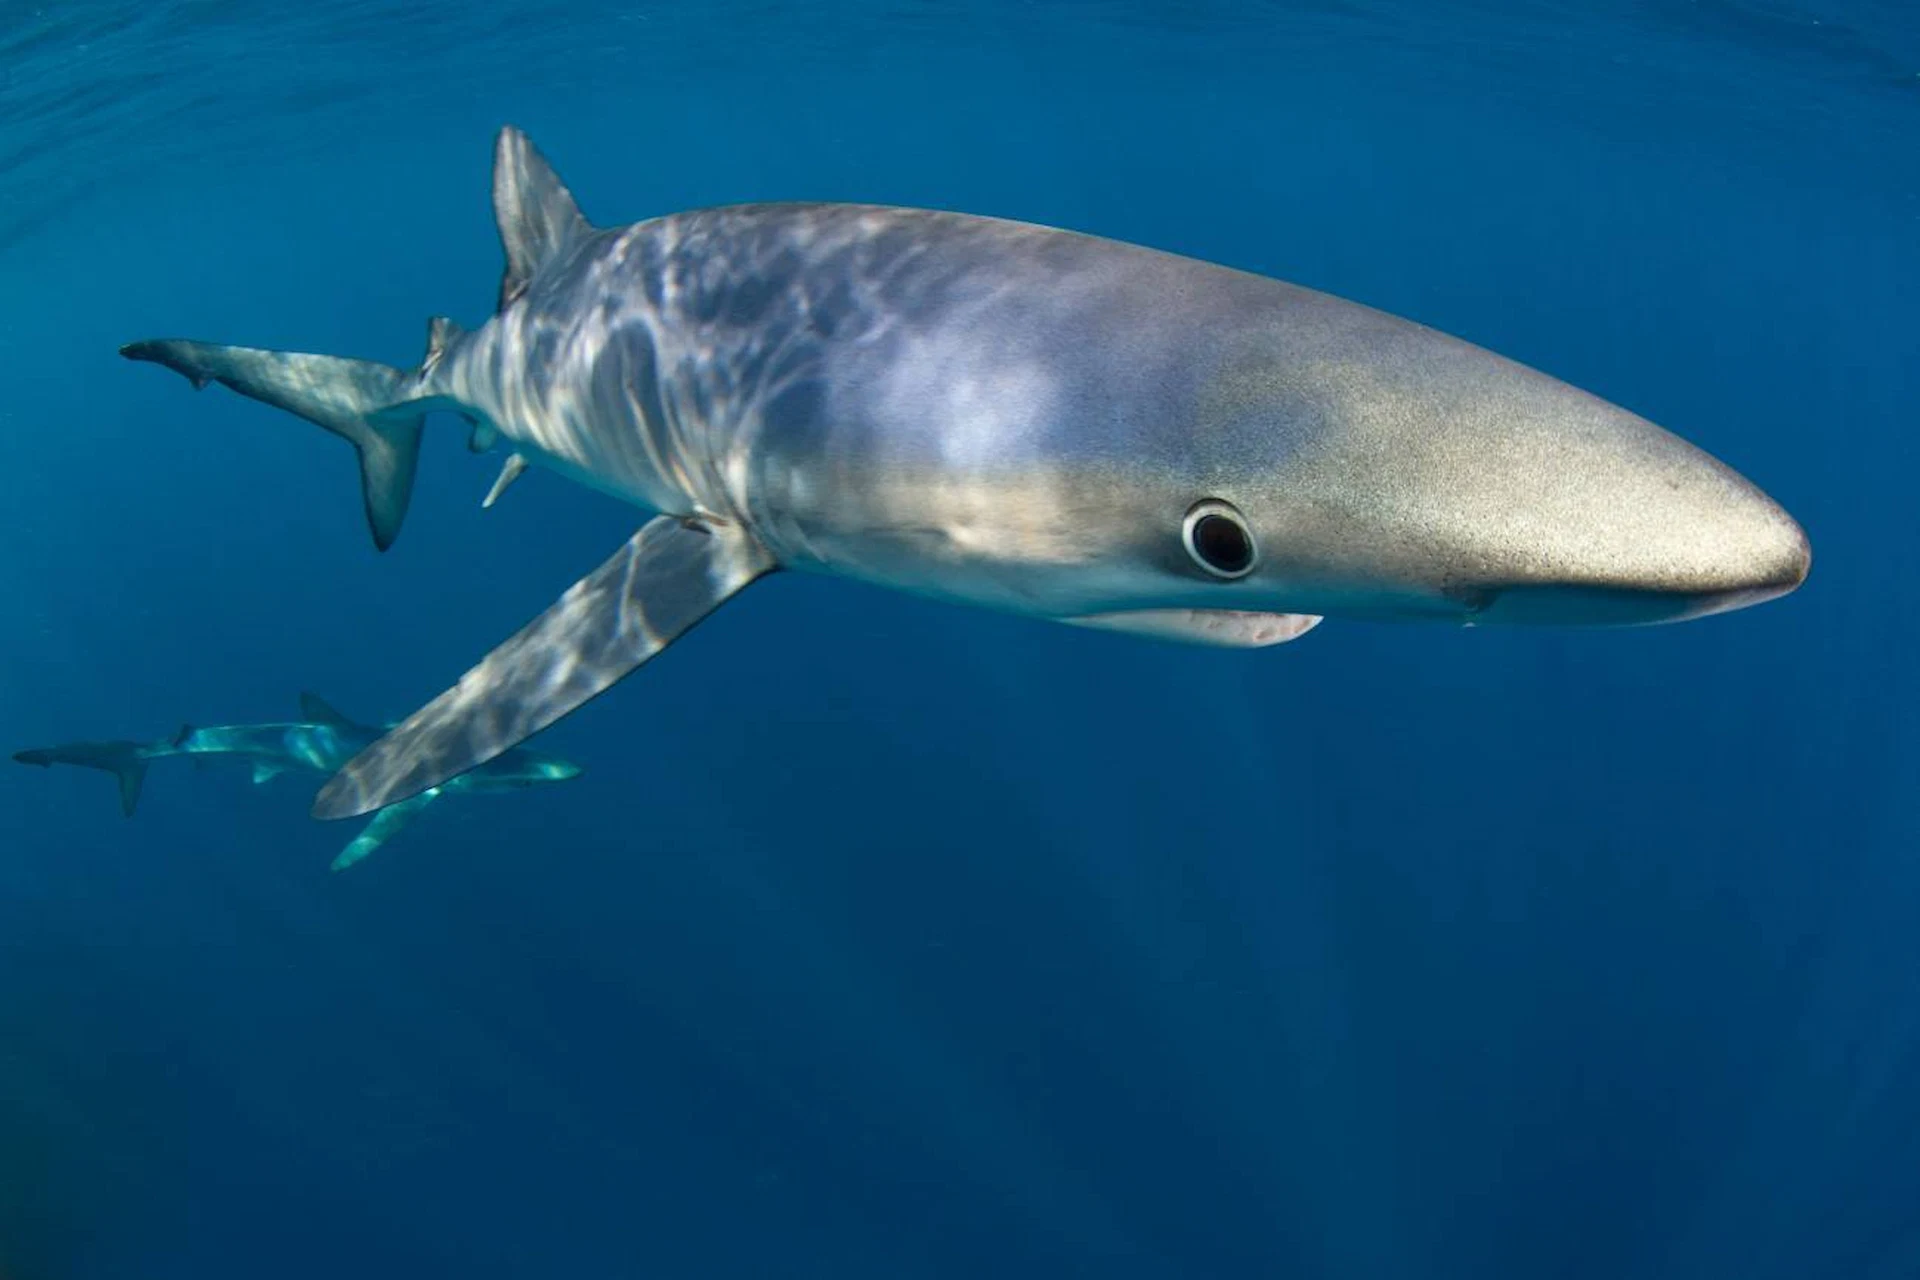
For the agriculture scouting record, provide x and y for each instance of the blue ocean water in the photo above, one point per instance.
(883, 938)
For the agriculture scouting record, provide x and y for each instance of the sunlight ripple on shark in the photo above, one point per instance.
(321, 741)
(1003, 415)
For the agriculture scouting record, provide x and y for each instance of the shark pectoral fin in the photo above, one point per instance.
(385, 825)
(1223, 628)
(509, 472)
(265, 772)
(667, 577)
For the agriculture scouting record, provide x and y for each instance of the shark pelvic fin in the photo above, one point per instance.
(384, 826)
(265, 771)
(510, 470)
(374, 407)
(122, 759)
(536, 213)
(667, 577)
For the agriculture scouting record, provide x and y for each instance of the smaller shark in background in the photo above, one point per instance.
(321, 741)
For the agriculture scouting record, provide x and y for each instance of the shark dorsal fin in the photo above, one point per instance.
(536, 213)
(441, 334)
(315, 709)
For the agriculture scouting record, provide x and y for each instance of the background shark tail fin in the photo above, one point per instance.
(375, 407)
(122, 759)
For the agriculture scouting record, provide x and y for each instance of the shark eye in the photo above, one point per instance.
(1218, 539)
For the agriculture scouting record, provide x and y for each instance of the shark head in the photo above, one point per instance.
(530, 768)
(1383, 470)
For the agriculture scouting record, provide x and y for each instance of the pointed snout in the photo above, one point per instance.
(1453, 483)
(1609, 520)
(1661, 561)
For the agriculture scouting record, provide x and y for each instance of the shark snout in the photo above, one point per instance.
(1485, 492)
(1665, 566)
(1597, 516)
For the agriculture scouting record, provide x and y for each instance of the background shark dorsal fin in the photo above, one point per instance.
(315, 709)
(536, 213)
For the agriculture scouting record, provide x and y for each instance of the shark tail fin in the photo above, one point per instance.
(537, 215)
(374, 407)
(122, 759)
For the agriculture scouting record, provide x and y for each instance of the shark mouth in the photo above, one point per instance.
(1223, 628)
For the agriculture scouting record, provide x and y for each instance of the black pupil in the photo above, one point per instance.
(1222, 543)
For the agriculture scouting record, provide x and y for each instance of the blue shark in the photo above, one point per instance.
(320, 741)
(1001, 415)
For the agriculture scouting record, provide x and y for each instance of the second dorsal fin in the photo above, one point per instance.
(441, 334)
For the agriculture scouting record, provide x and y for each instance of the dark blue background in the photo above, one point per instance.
(887, 939)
